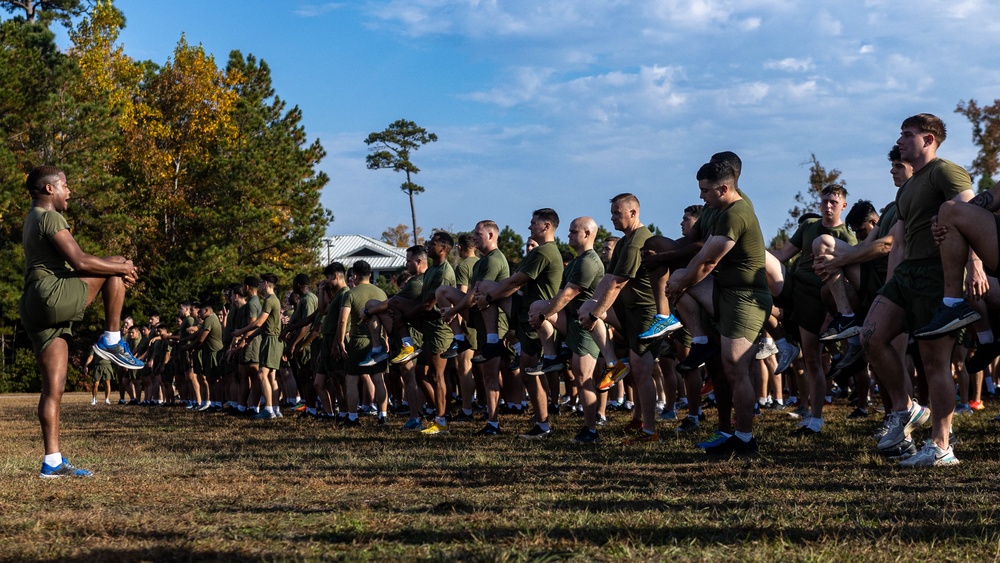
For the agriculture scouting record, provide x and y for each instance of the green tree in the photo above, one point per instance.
(45, 11)
(512, 245)
(391, 147)
(808, 201)
(986, 135)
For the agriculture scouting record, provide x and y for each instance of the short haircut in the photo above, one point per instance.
(730, 158)
(41, 176)
(625, 198)
(489, 225)
(270, 278)
(835, 189)
(567, 256)
(184, 304)
(611, 238)
(300, 280)
(251, 281)
(807, 216)
(859, 213)
(465, 241)
(716, 172)
(443, 237)
(334, 268)
(895, 155)
(927, 123)
(693, 210)
(547, 214)
(161, 326)
(240, 291)
(418, 252)
(362, 269)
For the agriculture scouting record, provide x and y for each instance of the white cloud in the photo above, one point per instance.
(790, 65)
(750, 24)
(828, 25)
(313, 10)
(866, 49)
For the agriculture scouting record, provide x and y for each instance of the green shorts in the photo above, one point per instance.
(634, 321)
(357, 349)
(578, 340)
(809, 312)
(740, 313)
(436, 336)
(270, 352)
(531, 345)
(49, 306)
(250, 354)
(104, 371)
(917, 286)
(210, 365)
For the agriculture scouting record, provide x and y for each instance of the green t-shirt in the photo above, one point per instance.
(803, 238)
(230, 326)
(705, 224)
(434, 277)
(886, 221)
(545, 268)
(492, 267)
(626, 262)
(743, 266)
(463, 271)
(585, 271)
(356, 300)
(41, 257)
(212, 325)
(413, 288)
(308, 302)
(918, 201)
(272, 306)
(332, 317)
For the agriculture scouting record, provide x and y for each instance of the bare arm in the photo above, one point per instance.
(701, 265)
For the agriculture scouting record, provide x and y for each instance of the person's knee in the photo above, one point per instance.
(824, 245)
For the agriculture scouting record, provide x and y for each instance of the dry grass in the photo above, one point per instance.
(175, 485)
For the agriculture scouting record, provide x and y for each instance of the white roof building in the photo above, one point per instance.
(384, 259)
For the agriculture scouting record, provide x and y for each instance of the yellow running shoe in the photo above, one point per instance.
(406, 354)
(613, 374)
(435, 428)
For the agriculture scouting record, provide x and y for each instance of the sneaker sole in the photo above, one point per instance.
(113, 358)
(397, 361)
(853, 331)
(952, 326)
(661, 333)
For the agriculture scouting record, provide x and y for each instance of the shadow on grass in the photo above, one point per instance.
(162, 553)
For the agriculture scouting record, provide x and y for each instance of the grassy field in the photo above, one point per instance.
(176, 485)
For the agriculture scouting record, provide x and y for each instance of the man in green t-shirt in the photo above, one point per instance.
(538, 277)
(560, 314)
(454, 304)
(352, 342)
(624, 299)
(60, 282)
(300, 357)
(267, 326)
(727, 280)
(908, 300)
(207, 344)
(808, 311)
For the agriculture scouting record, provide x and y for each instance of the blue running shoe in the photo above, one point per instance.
(119, 354)
(64, 469)
(718, 438)
(413, 425)
(660, 327)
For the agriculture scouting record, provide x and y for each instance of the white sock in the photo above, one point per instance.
(745, 436)
(952, 301)
(269, 409)
(492, 338)
(460, 337)
(847, 315)
(112, 337)
(544, 426)
(699, 340)
(53, 460)
(407, 341)
(659, 316)
(985, 337)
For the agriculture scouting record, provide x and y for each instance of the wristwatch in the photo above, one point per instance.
(489, 298)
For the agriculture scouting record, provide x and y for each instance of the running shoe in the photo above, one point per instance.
(668, 415)
(536, 433)
(765, 350)
(414, 424)
(947, 319)
(406, 354)
(265, 415)
(545, 366)
(661, 326)
(613, 374)
(93, 401)
(841, 328)
(64, 469)
(786, 355)
(931, 456)
(984, 356)
(734, 447)
(374, 358)
(435, 428)
(963, 408)
(902, 424)
(976, 405)
(586, 436)
(119, 353)
(714, 440)
(633, 425)
(488, 352)
(456, 348)
(689, 425)
(488, 430)
(643, 437)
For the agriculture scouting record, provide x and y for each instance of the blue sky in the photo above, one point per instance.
(565, 103)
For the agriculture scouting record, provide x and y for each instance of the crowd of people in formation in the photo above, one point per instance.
(886, 308)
